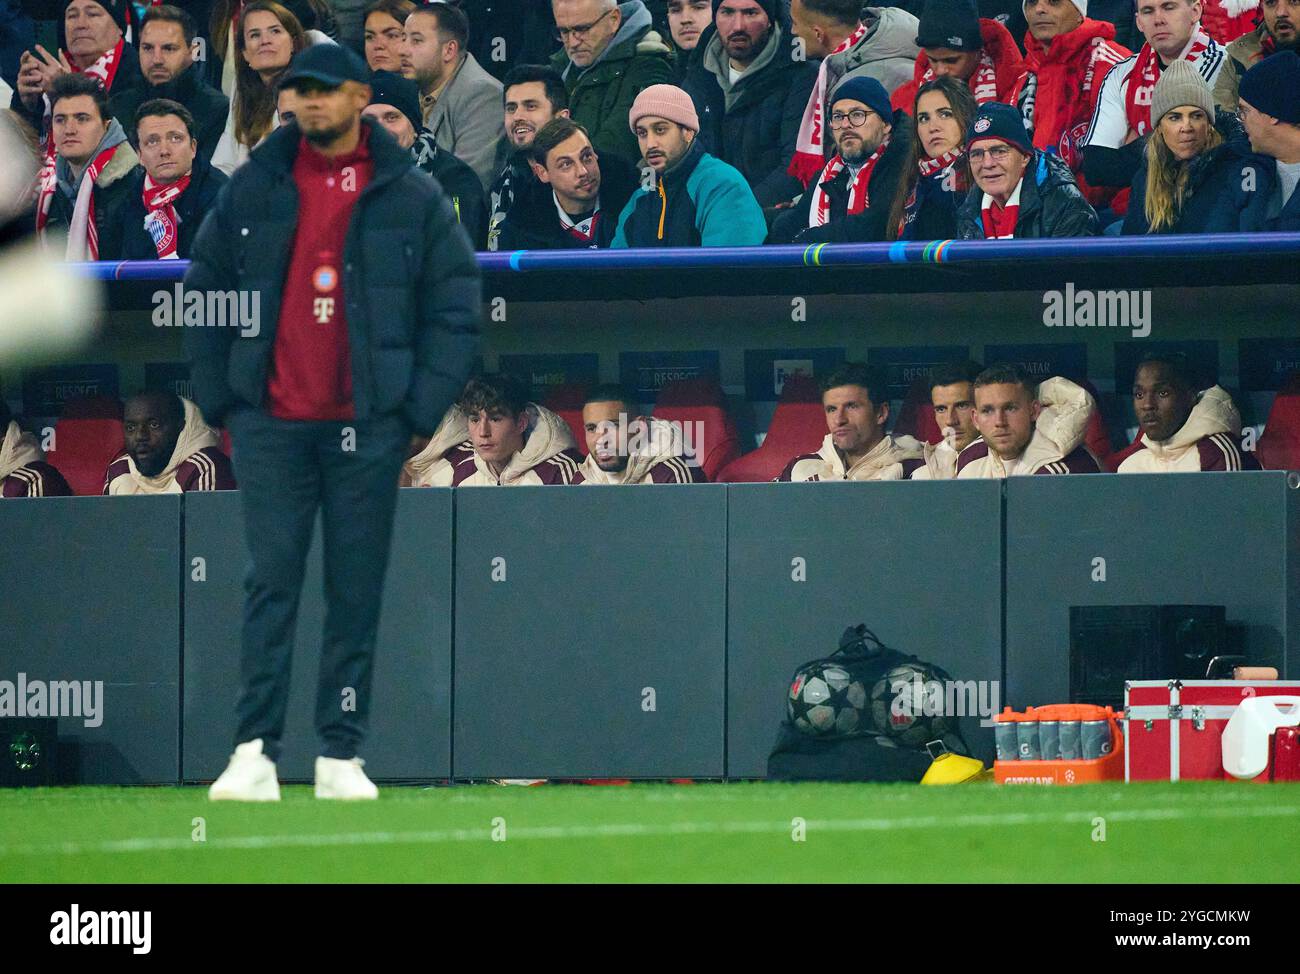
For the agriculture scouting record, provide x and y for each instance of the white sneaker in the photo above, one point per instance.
(249, 777)
(336, 778)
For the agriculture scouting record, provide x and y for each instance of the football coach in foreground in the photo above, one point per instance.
(368, 300)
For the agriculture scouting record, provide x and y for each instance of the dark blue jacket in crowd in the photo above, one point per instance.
(1226, 188)
(1289, 219)
(931, 214)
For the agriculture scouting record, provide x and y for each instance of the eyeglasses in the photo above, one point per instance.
(173, 139)
(855, 118)
(582, 30)
(998, 153)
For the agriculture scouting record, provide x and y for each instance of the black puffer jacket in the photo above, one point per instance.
(459, 182)
(1216, 200)
(1050, 204)
(409, 279)
(755, 125)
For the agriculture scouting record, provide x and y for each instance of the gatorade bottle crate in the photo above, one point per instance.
(1175, 727)
(1059, 730)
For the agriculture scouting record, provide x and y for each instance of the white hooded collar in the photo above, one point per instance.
(17, 449)
(195, 435)
(1214, 412)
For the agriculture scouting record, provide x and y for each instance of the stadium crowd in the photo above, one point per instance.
(596, 123)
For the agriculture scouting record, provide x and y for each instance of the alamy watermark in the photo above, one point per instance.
(1098, 309)
(211, 309)
(918, 697)
(53, 698)
(634, 436)
(78, 927)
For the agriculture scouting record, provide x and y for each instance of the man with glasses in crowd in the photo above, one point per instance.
(850, 199)
(611, 53)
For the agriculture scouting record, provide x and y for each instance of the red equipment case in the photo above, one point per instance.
(1173, 728)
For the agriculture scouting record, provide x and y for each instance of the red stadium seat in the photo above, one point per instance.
(1279, 447)
(701, 400)
(798, 426)
(86, 439)
(1097, 437)
(566, 402)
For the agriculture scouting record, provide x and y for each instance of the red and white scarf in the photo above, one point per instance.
(160, 219)
(928, 167)
(83, 236)
(820, 213)
(104, 69)
(1000, 221)
(809, 151)
(1146, 72)
(983, 83)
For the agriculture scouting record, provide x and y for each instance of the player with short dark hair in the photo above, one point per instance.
(1185, 428)
(1027, 427)
(624, 447)
(856, 399)
(169, 449)
(376, 298)
(952, 397)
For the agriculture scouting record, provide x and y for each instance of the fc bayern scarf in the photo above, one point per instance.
(1145, 74)
(160, 219)
(83, 236)
(820, 213)
(809, 151)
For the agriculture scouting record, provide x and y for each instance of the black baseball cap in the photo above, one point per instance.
(330, 64)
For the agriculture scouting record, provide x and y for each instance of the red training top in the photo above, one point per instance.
(311, 366)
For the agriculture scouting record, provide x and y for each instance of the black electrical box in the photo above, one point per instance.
(1113, 643)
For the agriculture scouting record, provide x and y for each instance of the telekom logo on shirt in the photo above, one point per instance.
(323, 310)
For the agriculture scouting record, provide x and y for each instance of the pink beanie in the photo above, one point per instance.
(664, 101)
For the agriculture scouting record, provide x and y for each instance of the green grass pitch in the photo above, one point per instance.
(743, 832)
